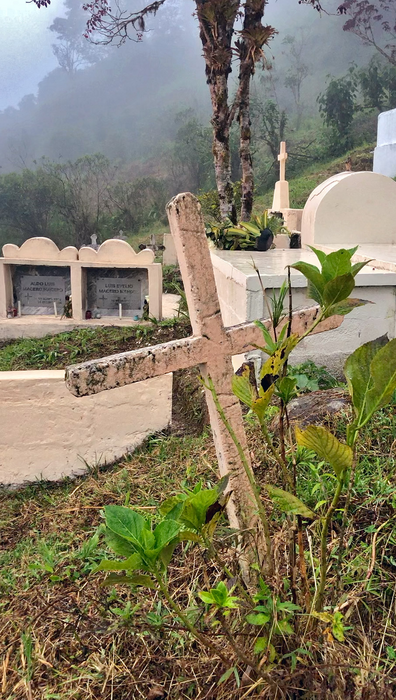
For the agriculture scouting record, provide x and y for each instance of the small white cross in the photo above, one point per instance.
(211, 347)
(282, 157)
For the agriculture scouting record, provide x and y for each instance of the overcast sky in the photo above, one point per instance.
(25, 47)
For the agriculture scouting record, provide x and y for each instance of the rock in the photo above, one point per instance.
(313, 408)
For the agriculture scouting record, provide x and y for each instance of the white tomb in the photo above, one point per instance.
(385, 152)
(351, 209)
(241, 299)
(110, 282)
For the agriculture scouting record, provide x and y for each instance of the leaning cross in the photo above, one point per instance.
(282, 157)
(211, 347)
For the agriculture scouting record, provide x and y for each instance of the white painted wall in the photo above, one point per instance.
(241, 299)
(353, 208)
(47, 433)
(385, 153)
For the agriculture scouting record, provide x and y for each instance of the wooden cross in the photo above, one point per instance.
(282, 157)
(211, 347)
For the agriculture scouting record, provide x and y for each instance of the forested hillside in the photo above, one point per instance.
(145, 108)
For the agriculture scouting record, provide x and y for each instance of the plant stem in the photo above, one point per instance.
(215, 555)
(249, 474)
(319, 595)
(186, 622)
(345, 516)
(275, 454)
(238, 651)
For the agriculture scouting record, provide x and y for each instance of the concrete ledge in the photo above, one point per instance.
(47, 433)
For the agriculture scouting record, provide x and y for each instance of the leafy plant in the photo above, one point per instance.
(254, 614)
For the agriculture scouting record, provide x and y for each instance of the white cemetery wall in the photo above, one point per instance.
(385, 152)
(48, 434)
(241, 299)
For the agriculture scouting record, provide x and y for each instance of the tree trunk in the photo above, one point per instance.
(250, 52)
(216, 26)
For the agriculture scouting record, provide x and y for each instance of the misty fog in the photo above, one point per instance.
(145, 106)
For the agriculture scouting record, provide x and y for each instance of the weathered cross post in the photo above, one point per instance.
(211, 347)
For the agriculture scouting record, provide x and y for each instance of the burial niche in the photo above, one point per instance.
(40, 289)
(116, 291)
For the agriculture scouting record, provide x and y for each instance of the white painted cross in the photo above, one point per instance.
(282, 157)
(211, 347)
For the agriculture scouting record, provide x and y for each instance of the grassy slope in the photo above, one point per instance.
(92, 642)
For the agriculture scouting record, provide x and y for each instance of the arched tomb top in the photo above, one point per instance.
(116, 251)
(39, 248)
(352, 208)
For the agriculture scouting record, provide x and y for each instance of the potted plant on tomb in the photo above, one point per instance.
(263, 230)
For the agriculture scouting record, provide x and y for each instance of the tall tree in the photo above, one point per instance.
(72, 51)
(222, 43)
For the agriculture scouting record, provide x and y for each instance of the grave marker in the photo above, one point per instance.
(211, 347)
(281, 199)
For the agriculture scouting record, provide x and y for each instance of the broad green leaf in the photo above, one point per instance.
(125, 522)
(188, 536)
(283, 627)
(260, 405)
(327, 447)
(195, 508)
(338, 289)
(383, 374)
(359, 266)
(357, 370)
(315, 279)
(319, 254)
(352, 251)
(338, 626)
(336, 264)
(207, 597)
(133, 562)
(118, 544)
(260, 645)
(136, 580)
(166, 552)
(165, 532)
(286, 388)
(258, 619)
(345, 307)
(289, 503)
(147, 540)
(172, 507)
(243, 389)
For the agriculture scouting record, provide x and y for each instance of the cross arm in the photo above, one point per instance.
(124, 368)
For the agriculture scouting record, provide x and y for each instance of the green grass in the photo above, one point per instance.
(94, 642)
(58, 351)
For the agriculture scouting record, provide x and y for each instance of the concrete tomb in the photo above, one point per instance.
(351, 209)
(107, 281)
(385, 152)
